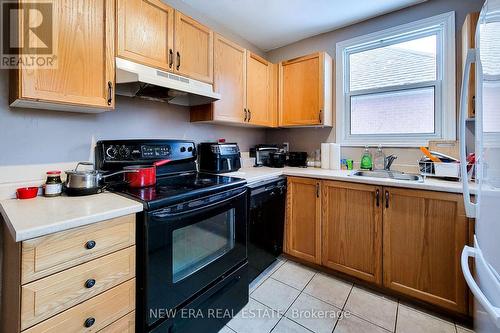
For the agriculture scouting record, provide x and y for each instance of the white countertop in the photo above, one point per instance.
(41, 216)
(252, 174)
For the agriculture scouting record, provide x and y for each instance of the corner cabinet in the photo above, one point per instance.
(352, 229)
(83, 78)
(259, 109)
(424, 234)
(247, 84)
(303, 219)
(305, 91)
(145, 32)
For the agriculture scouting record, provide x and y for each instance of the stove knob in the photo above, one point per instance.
(112, 152)
(124, 152)
(136, 154)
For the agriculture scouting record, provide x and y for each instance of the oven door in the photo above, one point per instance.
(192, 245)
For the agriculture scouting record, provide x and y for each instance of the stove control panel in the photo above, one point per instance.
(142, 151)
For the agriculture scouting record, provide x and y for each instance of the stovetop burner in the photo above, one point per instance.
(173, 189)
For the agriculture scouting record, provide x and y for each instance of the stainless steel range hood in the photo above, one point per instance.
(136, 80)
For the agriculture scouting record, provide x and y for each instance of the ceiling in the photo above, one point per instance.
(269, 24)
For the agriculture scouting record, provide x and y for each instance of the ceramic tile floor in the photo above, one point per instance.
(291, 298)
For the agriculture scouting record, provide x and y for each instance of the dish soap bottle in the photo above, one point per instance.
(366, 159)
(379, 159)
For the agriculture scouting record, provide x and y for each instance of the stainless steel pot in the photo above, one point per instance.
(84, 182)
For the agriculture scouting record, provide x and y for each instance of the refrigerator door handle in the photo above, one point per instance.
(493, 311)
(470, 207)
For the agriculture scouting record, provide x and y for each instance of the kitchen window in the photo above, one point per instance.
(397, 87)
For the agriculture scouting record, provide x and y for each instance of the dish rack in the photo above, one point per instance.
(446, 170)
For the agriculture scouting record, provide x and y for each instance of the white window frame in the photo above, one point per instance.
(445, 85)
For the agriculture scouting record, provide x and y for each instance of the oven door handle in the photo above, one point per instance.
(160, 214)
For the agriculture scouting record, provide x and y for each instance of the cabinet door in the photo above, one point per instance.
(468, 42)
(303, 228)
(229, 80)
(194, 47)
(146, 32)
(352, 229)
(85, 57)
(259, 73)
(424, 234)
(306, 91)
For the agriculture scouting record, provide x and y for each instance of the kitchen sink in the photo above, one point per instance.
(388, 174)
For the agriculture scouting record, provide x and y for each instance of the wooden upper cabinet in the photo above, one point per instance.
(305, 97)
(83, 79)
(229, 80)
(145, 31)
(303, 219)
(424, 234)
(468, 42)
(259, 73)
(352, 229)
(193, 47)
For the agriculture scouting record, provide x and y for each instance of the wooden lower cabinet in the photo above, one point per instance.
(405, 240)
(424, 234)
(82, 279)
(352, 229)
(303, 219)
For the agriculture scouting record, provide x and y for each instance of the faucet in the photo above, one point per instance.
(388, 162)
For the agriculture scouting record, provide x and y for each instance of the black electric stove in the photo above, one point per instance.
(178, 188)
(191, 238)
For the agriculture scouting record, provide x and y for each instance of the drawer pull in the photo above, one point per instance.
(90, 245)
(89, 283)
(89, 322)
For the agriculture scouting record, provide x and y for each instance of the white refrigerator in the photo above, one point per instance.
(483, 277)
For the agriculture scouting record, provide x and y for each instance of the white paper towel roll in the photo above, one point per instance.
(334, 156)
(325, 156)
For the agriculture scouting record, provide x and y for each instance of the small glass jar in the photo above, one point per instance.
(53, 185)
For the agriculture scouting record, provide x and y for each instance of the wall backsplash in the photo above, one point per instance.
(29, 136)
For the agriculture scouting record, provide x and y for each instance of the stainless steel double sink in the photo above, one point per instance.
(389, 175)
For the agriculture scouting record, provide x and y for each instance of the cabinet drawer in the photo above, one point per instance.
(123, 325)
(53, 253)
(104, 309)
(46, 297)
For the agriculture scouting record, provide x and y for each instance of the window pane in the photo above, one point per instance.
(403, 63)
(400, 112)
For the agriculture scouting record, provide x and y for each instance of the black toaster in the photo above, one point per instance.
(218, 157)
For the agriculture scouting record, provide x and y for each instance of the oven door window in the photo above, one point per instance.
(196, 246)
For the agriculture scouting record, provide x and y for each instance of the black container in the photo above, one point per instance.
(297, 159)
(219, 157)
(277, 160)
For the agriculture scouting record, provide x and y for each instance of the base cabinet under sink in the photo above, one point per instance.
(404, 240)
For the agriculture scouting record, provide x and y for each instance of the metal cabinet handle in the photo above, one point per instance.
(110, 92)
(249, 115)
(317, 190)
(246, 114)
(377, 197)
(386, 199)
(320, 116)
(89, 322)
(170, 58)
(178, 60)
(89, 283)
(90, 245)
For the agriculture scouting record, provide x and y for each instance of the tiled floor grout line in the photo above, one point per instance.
(396, 321)
(343, 306)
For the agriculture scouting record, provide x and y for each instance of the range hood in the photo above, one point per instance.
(136, 80)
